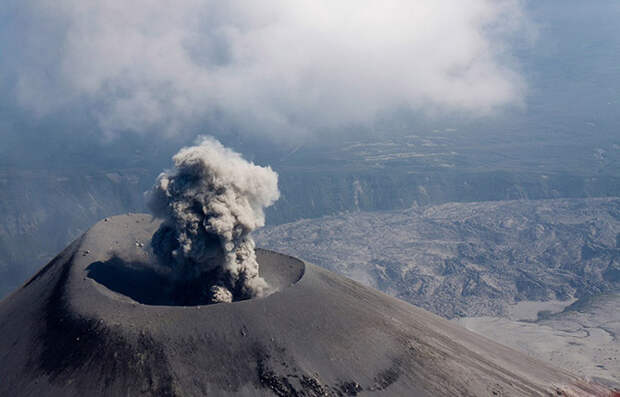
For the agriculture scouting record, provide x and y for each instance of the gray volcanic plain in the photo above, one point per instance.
(102, 318)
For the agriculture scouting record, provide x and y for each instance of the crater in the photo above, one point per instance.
(149, 284)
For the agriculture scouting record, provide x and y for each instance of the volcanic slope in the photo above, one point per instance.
(102, 319)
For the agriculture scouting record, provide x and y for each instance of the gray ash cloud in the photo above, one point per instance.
(211, 201)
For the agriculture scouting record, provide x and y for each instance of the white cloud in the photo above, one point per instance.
(272, 65)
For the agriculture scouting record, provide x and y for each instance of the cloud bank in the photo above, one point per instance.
(274, 65)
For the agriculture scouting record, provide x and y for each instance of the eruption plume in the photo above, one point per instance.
(210, 202)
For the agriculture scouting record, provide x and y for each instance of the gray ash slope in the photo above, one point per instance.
(74, 330)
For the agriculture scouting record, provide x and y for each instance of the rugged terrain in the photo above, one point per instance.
(468, 259)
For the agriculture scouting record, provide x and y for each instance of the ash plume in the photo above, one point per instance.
(210, 202)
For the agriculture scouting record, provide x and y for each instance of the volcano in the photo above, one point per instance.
(104, 318)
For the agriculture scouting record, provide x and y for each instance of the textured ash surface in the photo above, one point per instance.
(468, 259)
(66, 334)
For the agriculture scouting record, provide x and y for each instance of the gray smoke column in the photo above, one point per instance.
(210, 202)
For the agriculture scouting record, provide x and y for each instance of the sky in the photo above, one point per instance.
(274, 68)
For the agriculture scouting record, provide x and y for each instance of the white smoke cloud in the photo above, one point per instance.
(211, 201)
(272, 65)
